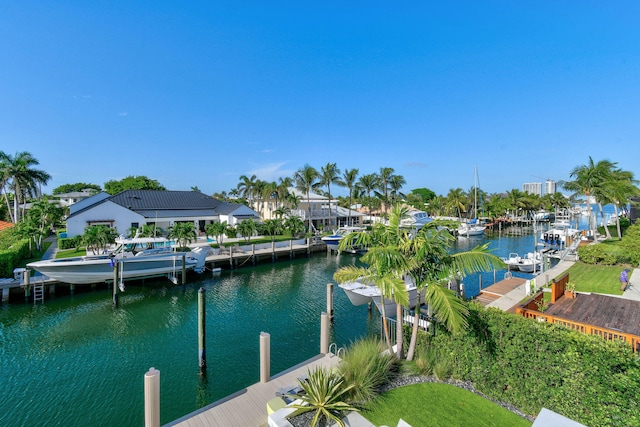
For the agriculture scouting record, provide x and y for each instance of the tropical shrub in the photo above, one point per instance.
(366, 366)
(596, 254)
(630, 243)
(324, 393)
(69, 242)
(532, 365)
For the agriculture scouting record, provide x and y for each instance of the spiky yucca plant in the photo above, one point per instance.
(323, 393)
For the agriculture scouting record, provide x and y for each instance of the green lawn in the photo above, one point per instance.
(596, 278)
(433, 404)
(68, 253)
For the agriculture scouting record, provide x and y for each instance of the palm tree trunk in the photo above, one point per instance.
(399, 337)
(414, 330)
(6, 198)
(604, 224)
(615, 211)
(385, 325)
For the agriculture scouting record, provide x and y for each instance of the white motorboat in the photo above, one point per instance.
(530, 262)
(472, 228)
(513, 261)
(139, 257)
(560, 236)
(359, 293)
(416, 219)
(333, 241)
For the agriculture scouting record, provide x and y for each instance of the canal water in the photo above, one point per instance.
(77, 361)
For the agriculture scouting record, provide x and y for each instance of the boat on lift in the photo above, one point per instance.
(140, 257)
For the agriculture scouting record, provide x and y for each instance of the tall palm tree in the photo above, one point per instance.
(19, 173)
(329, 174)
(456, 200)
(368, 183)
(349, 180)
(383, 184)
(434, 267)
(246, 188)
(305, 178)
(386, 266)
(587, 178)
(396, 182)
(619, 189)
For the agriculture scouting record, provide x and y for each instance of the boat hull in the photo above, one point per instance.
(86, 270)
(359, 293)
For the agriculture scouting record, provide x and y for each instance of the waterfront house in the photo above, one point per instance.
(134, 208)
(324, 215)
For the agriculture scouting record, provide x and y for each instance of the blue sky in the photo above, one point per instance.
(200, 93)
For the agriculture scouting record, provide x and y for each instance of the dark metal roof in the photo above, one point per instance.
(170, 213)
(145, 200)
(225, 208)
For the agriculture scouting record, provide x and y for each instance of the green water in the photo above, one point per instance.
(77, 361)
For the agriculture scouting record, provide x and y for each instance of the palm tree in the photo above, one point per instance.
(246, 228)
(619, 189)
(396, 183)
(349, 180)
(18, 172)
(43, 215)
(456, 200)
(97, 237)
(305, 179)
(246, 188)
(183, 232)
(329, 174)
(383, 184)
(294, 224)
(368, 183)
(386, 266)
(586, 179)
(217, 230)
(272, 227)
(434, 267)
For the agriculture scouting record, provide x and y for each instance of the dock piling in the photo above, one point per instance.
(116, 273)
(202, 343)
(265, 357)
(324, 333)
(151, 397)
(330, 300)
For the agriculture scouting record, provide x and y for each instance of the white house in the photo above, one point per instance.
(134, 208)
(323, 213)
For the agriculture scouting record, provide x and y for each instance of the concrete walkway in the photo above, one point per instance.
(633, 288)
(51, 251)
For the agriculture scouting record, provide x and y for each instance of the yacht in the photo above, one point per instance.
(139, 257)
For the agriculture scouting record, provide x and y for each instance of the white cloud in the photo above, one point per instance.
(270, 172)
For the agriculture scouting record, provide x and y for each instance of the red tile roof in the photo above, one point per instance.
(4, 225)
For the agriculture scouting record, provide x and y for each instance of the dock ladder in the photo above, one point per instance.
(38, 291)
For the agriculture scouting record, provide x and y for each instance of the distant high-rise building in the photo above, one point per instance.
(550, 187)
(532, 188)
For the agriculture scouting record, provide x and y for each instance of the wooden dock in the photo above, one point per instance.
(248, 407)
(499, 290)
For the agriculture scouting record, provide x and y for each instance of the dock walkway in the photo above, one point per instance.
(248, 407)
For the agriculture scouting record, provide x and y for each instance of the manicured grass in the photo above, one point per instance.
(596, 278)
(68, 253)
(439, 405)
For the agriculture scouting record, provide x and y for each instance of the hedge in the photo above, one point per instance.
(532, 365)
(10, 258)
(69, 242)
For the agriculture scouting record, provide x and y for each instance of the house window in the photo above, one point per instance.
(135, 225)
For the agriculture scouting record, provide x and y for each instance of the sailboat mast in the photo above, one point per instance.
(475, 191)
